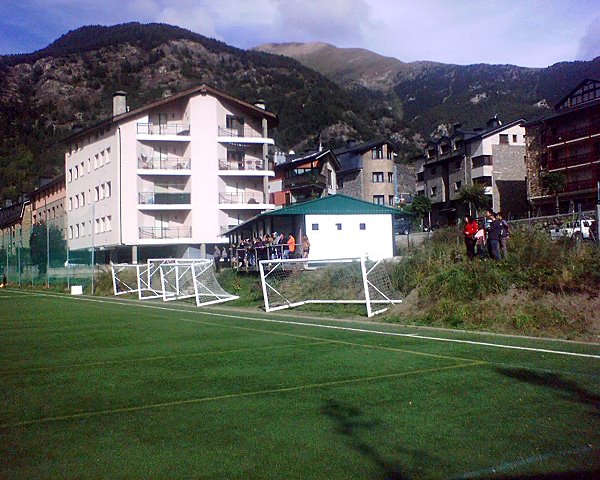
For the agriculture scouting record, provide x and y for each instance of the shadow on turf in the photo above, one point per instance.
(552, 380)
(350, 422)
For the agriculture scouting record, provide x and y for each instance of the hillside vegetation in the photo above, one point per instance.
(543, 287)
(49, 94)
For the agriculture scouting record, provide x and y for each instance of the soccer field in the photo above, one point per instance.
(110, 388)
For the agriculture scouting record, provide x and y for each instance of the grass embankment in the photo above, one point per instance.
(543, 287)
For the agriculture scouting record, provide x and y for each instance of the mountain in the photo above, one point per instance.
(49, 94)
(430, 96)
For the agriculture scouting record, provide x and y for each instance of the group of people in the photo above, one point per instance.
(268, 247)
(488, 238)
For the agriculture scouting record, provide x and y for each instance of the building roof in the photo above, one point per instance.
(363, 147)
(329, 205)
(202, 89)
(47, 186)
(12, 214)
(308, 157)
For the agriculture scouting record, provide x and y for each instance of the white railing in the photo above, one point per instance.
(244, 131)
(163, 128)
(248, 164)
(227, 198)
(164, 163)
(160, 233)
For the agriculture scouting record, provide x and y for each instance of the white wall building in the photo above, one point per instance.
(169, 178)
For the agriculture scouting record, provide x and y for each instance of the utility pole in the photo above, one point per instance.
(598, 213)
(47, 245)
(93, 242)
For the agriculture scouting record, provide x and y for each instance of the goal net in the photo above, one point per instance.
(290, 283)
(170, 279)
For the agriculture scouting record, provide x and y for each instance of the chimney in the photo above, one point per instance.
(260, 103)
(494, 122)
(119, 103)
(167, 93)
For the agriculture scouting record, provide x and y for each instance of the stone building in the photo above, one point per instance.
(490, 156)
(367, 171)
(566, 141)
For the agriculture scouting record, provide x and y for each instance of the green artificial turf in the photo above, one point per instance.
(103, 388)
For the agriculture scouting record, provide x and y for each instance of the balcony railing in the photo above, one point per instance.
(572, 160)
(572, 134)
(153, 198)
(580, 185)
(161, 233)
(249, 198)
(163, 129)
(305, 180)
(244, 131)
(249, 164)
(164, 163)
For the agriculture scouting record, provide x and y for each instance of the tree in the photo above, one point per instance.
(38, 244)
(555, 183)
(474, 196)
(421, 206)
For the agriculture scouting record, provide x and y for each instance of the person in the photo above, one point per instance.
(504, 235)
(291, 246)
(494, 237)
(224, 256)
(217, 258)
(470, 229)
(480, 242)
(305, 246)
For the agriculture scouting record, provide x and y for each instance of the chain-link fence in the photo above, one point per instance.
(37, 255)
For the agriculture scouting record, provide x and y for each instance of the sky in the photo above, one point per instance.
(532, 33)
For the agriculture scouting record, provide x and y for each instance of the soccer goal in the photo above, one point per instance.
(288, 283)
(171, 279)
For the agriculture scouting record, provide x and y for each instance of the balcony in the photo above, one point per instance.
(154, 165)
(173, 132)
(164, 201)
(573, 134)
(243, 201)
(482, 160)
(242, 134)
(581, 185)
(164, 233)
(305, 180)
(573, 161)
(481, 172)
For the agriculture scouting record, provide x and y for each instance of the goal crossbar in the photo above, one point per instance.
(288, 283)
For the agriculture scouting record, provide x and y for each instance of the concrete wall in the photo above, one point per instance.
(376, 240)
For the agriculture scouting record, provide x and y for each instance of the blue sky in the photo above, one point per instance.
(532, 33)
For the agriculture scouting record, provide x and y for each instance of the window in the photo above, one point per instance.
(390, 154)
(433, 191)
(433, 171)
(77, 230)
(109, 223)
(102, 194)
(89, 165)
(96, 161)
(107, 158)
(102, 225)
(69, 175)
(89, 197)
(70, 204)
(377, 177)
(377, 152)
(515, 138)
(338, 226)
(76, 201)
(362, 226)
(70, 232)
(97, 226)
(108, 189)
(390, 177)
(504, 139)
(81, 169)
(379, 199)
(96, 194)
(234, 123)
(390, 200)
(315, 226)
(457, 186)
(82, 199)
(76, 172)
(340, 182)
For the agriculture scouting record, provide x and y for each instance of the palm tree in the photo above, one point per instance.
(474, 196)
(555, 183)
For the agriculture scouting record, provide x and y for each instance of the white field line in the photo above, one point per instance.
(335, 327)
(523, 462)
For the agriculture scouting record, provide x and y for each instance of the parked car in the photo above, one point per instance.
(402, 226)
(578, 230)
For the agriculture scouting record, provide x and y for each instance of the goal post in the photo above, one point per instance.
(170, 279)
(288, 283)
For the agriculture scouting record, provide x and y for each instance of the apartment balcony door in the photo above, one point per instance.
(235, 123)
(162, 122)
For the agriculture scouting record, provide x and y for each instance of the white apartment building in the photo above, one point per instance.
(167, 179)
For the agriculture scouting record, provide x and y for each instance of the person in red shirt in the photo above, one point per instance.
(469, 231)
